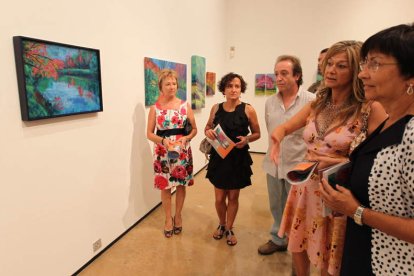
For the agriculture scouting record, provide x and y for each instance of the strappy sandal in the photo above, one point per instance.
(169, 233)
(229, 235)
(177, 229)
(221, 229)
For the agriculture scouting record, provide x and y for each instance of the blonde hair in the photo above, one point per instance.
(352, 49)
(166, 73)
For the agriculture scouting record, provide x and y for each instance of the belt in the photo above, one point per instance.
(170, 132)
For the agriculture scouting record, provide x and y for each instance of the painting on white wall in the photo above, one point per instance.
(56, 79)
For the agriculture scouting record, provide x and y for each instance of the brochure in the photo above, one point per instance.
(337, 174)
(301, 172)
(222, 144)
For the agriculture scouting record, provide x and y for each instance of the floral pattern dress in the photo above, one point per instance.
(168, 172)
(304, 219)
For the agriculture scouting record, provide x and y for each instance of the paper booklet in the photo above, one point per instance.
(337, 174)
(301, 172)
(222, 144)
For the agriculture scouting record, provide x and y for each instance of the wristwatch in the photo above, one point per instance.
(358, 214)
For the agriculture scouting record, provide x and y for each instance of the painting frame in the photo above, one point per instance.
(56, 79)
(152, 67)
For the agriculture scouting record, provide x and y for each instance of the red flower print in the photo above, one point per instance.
(160, 120)
(157, 166)
(179, 172)
(183, 111)
(161, 182)
(175, 120)
(189, 169)
(182, 156)
(191, 182)
(160, 150)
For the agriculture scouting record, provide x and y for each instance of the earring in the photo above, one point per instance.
(410, 89)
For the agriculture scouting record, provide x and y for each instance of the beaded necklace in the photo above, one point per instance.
(327, 116)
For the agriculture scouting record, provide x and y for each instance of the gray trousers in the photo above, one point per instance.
(278, 191)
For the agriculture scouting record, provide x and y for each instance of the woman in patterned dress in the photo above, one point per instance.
(332, 122)
(379, 198)
(167, 117)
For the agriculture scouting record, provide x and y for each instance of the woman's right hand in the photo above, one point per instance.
(210, 133)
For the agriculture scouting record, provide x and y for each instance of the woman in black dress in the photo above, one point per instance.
(232, 173)
(379, 198)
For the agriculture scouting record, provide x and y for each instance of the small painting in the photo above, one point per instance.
(260, 84)
(152, 67)
(210, 83)
(198, 82)
(56, 79)
(270, 84)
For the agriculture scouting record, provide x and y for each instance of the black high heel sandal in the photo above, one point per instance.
(229, 234)
(169, 233)
(222, 229)
(177, 229)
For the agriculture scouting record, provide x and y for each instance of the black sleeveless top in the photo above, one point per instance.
(234, 171)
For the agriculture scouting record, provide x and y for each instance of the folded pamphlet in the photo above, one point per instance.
(301, 172)
(337, 174)
(222, 144)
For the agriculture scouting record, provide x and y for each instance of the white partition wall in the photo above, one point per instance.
(68, 182)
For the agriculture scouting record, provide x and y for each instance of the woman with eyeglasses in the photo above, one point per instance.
(379, 199)
(333, 123)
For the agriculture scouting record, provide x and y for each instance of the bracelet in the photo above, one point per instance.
(162, 141)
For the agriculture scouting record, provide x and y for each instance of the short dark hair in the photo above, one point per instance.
(297, 68)
(228, 78)
(396, 41)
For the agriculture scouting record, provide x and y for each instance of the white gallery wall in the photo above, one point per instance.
(264, 29)
(67, 182)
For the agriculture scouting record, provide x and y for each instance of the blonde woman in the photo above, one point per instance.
(332, 122)
(166, 121)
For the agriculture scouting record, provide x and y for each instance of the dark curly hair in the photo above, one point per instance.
(226, 79)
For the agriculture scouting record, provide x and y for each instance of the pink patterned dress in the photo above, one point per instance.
(303, 221)
(168, 172)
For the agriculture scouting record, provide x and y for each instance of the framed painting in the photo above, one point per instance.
(56, 79)
(210, 83)
(152, 67)
(259, 84)
(271, 87)
(198, 82)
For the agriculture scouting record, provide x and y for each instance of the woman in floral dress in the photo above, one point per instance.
(337, 117)
(173, 161)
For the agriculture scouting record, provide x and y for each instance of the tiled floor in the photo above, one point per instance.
(145, 251)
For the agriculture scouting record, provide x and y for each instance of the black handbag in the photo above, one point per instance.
(187, 127)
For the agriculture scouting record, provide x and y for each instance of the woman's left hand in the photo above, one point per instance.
(243, 142)
(340, 200)
(183, 141)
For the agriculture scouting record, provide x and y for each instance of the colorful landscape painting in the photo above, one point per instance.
(259, 84)
(56, 79)
(210, 83)
(152, 67)
(198, 82)
(270, 84)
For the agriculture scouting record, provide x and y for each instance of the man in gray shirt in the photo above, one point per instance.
(280, 108)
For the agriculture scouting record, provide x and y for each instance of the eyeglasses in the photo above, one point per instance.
(372, 65)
